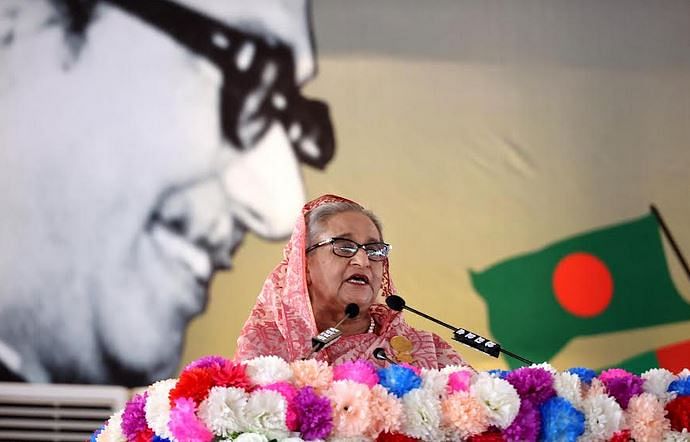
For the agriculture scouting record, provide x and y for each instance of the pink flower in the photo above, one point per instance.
(184, 424)
(613, 373)
(350, 402)
(459, 381)
(463, 415)
(312, 373)
(647, 418)
(360, 371)
(385, 411)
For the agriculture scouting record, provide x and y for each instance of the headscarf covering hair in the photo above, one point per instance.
(284, 298)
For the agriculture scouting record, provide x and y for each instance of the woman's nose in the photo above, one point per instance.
(361, 259)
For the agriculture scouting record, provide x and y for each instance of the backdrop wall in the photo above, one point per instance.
(511, 148)
(480, 131)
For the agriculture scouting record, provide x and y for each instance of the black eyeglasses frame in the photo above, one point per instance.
(372, 257)
(272, 71)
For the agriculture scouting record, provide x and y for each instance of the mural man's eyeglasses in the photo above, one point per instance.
(259, 85)
(376, 251)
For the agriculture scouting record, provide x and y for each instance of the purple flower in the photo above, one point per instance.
(207, 362)
(621, 384)
(532, 384)
(134, 417)
(315, 414)
(526, 425)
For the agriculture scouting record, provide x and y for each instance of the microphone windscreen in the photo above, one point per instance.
(380, 353)
(395, 302)
(352, 310)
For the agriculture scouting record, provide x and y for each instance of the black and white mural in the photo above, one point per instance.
(140, 140)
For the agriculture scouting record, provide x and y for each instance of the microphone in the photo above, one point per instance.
(466, 337)
(380, 354)
(332, 334)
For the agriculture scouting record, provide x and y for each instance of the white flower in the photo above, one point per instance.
(569, 387)
(656, 382)
(157, 408)
(448, 369)
(677, 436)
(292, 439)
(264, 370)
(434, 381)
(112, 431)
(596, 387)
(251, 437)
(499, 397)
(684, 373)
(603, 417)
(265, 413)
(545, 366)
(422, 415)
(223, 410)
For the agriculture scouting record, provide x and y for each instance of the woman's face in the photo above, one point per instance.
(334, 281)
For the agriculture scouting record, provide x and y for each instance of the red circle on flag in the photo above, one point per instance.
(583, 284)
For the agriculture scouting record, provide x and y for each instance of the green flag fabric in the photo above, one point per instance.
(607, 280)
(674, 357)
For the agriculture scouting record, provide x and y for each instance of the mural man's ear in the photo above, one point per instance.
(308, 277)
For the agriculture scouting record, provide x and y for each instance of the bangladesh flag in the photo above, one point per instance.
(603, 281)
(674, 358)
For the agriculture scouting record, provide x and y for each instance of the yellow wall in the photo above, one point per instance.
(471, 161)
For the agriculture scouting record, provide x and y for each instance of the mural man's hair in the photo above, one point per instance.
(75, 14)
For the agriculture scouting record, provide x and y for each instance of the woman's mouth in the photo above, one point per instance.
(358, 279)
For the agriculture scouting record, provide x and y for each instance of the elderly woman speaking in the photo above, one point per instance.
(336, 256)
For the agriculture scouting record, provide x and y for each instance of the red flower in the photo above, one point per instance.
(232, 374)
(679, 413)
(487, 436)
(145, 436)
(395, 437)
(621, 436)
(194, 383)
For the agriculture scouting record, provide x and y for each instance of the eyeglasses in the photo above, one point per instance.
(258, 80)
(376, 251)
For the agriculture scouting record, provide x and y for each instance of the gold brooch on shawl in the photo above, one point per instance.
(402, 349)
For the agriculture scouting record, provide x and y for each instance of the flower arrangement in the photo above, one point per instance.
(266, 399)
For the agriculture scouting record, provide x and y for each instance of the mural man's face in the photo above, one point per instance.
(127, 192)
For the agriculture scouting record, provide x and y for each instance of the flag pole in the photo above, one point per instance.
(672, 241)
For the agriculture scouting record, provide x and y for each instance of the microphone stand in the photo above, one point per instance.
(463, 336)
(331, 334)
